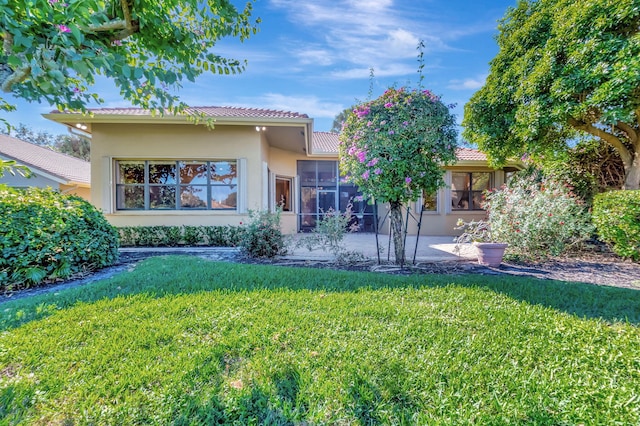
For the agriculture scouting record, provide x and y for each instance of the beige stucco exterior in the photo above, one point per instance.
(244, 144)
(263, 151)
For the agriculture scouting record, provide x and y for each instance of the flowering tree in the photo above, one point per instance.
(52, 50)
(393, 148)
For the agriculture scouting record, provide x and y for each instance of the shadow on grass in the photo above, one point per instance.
(159, 276)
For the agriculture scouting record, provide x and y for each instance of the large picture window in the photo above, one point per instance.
(176, 185)
(467, 189)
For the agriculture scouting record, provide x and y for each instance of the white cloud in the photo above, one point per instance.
(359, 34)
(468, 83)
(310, 105)
(388, 70)
(321, 57)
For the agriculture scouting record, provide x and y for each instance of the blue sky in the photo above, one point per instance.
(314, 57)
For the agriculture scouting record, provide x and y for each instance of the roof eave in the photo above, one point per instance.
(70, 119)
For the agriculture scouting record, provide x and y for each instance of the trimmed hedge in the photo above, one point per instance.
(616, 216)
(172, 236)
(45, 236)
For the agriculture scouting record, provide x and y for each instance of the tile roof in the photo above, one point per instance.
(470, 154)
(209, 111)
(68, 168)
(327, 143)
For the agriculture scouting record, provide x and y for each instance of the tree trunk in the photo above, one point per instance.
(396, 232)
(632, 173)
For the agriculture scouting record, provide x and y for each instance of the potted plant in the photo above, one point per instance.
(478, 232)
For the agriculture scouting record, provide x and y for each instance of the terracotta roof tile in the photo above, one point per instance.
(33, 156)
(470, 154)
(327, 143)
(210, 111)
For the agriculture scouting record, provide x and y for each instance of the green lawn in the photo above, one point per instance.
(185, 341)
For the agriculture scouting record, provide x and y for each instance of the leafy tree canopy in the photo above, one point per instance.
(341, 118)
(53, 50)
(564, 69)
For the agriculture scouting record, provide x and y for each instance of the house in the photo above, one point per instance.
(164, 170)
(52, 169)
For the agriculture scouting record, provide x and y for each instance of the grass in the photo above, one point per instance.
(185, 341)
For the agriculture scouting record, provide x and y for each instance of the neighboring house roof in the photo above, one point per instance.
(66, 168)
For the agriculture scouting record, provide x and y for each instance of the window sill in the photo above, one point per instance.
(173, 212)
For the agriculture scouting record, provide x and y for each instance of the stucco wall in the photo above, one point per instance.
(443, 221)
(173, 141)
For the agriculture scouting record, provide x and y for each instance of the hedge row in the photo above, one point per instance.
(47, 236)
(172, 236)
(616, 216)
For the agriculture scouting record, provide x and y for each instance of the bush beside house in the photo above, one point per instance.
(537, 216)
(173, 236)
(616, 215)
(47, 236)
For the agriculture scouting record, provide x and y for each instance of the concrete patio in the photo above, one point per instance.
(429, 249)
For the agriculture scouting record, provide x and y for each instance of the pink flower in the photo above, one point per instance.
(391, 132)
(362, 156)
(373, 162)
(365, 175)
(63, 28)
(352, 150)
(407, 180)
(388, 105)
(377, 171)
(405, 123)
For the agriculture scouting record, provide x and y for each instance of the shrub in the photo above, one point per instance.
(47, 235)
(262, 236)
(538, 217)
(172, 236)
(616, 216)
(330, 232)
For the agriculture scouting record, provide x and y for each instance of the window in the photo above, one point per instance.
(467, 189)
(283, 193)
(176, 185)
(430, 202)
(321, 189)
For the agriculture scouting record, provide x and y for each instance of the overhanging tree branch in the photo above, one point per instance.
(612, 140)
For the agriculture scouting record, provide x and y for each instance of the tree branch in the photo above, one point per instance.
(630, 131)
(7, 43)
(18, 76)
(612, 140)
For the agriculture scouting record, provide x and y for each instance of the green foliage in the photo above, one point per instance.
(53, 50)
(616, 216)
(183, 340)
(47, 236)
(394, 147)
(13, 168)
(329, 233)
(537, 216)
(263, 236)
(564, 68)
(172, 236)
(336, 126)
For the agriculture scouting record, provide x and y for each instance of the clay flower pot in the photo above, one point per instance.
(490, 254)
